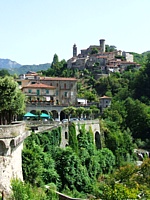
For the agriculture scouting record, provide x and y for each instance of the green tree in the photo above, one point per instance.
(32, 165)
(141, 85)
(87, 112)
(106, 160)
(12, 101)
(72, 173)
(73, 143)
(95, 111)
(94, 51)
(137, 118)
(4, 72)
(55, 60)
(24, 191)
(120, 143)
(71, 110)
(80, 111)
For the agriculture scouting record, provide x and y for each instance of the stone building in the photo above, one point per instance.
(40, 92)
(61, 90)
(105, 102)
(108, 61)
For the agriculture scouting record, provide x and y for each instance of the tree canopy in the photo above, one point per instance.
(12, 101)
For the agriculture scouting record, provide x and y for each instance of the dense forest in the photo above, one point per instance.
(82, 170)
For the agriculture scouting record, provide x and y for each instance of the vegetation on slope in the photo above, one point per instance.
(84, 170)
(81, 169)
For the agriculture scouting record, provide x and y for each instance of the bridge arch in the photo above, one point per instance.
(62, 115)
(58, 114)
(33, 112)
(54, 114)
(12, 143)
(2, 148)
(44, 111)
(97, 140)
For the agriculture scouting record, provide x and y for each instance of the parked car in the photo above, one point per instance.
(84, 119)
(73, 119)
(64, 120)
(57, 120)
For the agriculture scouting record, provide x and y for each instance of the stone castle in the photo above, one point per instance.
(101, 61)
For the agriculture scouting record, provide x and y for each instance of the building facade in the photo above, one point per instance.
(105, 102)
(60, 90)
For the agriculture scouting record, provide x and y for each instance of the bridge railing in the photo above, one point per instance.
(36, 122)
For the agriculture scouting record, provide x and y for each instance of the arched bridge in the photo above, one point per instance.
(39, 127)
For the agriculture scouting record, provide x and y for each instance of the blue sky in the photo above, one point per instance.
(32, 31)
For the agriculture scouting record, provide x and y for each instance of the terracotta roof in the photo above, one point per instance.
(57, 79)
(128, 62)
(105, 97)
(101, 56)
(39, 85)
(114, 61)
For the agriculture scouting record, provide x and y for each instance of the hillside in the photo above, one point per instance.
(8, 64)
(15, 68)
(24, 68)
(140, 58)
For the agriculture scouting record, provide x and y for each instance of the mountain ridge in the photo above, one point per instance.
(15, 68)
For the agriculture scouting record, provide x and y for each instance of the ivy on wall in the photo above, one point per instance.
(73, 142)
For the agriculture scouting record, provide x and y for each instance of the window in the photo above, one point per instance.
(64, 85)
(47, 91)
(65, 94)
(66, 135)
(29, 91)
(56, 92)
(38, 92)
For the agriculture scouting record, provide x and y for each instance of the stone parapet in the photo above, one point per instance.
(11, 145)
(12, 130)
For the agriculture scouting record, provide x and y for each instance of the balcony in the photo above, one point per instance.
(40, 103)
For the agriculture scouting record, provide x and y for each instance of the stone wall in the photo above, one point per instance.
(13, 130)
(94, 124)
(11, 145)
(11, 167)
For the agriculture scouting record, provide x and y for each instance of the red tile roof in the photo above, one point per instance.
(105, 97)
(128, 62)
(39, 85)
(101, 56)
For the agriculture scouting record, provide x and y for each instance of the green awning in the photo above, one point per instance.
(44, 115)
(28, 114)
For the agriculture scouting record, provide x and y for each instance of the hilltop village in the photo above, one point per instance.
(97, 59)
(60, 91)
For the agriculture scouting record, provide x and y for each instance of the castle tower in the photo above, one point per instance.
(102, 45)
(74, 50)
